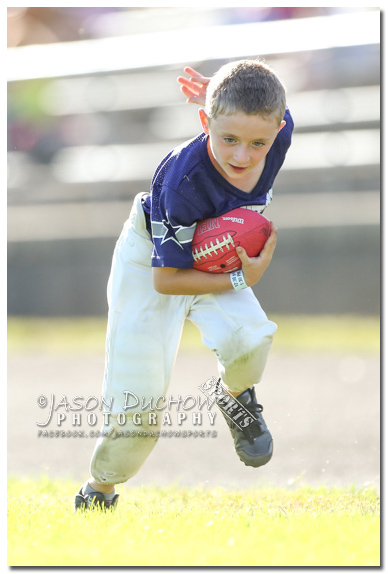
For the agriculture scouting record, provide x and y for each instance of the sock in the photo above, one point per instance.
(87, 489)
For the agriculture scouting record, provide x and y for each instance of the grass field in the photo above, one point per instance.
(174, 526)
(194, 527)
(295, 333)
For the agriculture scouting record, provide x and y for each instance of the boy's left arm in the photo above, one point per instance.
(173, 281)
(194, 88)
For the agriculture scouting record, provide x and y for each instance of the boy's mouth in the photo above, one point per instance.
(237, 169)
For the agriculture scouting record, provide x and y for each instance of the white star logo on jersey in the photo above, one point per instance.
(165, 231)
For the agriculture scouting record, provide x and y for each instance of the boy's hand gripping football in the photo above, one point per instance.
(194, 88)
(254, 267)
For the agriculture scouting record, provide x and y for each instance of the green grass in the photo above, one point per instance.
(295, 333)
(193, 527)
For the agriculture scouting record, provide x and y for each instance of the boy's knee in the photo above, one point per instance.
(120, 454)
(118, 460)
(242, 359)
(246, 343)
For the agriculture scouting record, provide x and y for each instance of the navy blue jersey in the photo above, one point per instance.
(187, 187)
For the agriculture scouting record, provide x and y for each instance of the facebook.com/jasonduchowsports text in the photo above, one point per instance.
(114, 434)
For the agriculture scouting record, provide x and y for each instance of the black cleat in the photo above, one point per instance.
(252, 439)
(94, 501)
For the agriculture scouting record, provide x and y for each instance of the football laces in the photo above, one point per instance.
(213, 248)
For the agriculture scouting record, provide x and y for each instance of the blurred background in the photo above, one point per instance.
(93, 106)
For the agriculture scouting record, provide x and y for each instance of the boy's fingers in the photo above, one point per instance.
(190, 71)
(187, 91)
(185, 82)
(242, 254)
(270, 244)
(193, 73)
(200, 80)
(274, 234)
(196, 76)
(268, 248)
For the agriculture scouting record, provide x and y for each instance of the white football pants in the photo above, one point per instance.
(143, 336)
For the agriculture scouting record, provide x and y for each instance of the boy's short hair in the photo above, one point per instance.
(249, 86)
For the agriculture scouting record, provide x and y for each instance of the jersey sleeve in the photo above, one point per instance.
(286, 133)
(173, 223)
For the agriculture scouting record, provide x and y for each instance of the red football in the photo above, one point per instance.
(215, 239)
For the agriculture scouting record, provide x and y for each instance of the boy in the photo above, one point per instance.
(153, 287)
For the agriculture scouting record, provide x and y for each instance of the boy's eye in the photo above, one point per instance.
(258, 144)
(229, 140)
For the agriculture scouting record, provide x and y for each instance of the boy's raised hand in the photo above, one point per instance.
(194, 87)
(254, 267)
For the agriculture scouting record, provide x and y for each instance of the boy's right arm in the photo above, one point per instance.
(172, 281)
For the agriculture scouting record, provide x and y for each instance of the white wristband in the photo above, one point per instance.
(238, 281)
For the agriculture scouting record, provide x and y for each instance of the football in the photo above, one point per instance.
(216, 239)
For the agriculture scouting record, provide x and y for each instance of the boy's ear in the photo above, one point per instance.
(283, 123)
(204, 121)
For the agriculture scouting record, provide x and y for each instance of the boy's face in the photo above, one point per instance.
(239, 144)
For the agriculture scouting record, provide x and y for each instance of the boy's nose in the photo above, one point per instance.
(241, 155)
